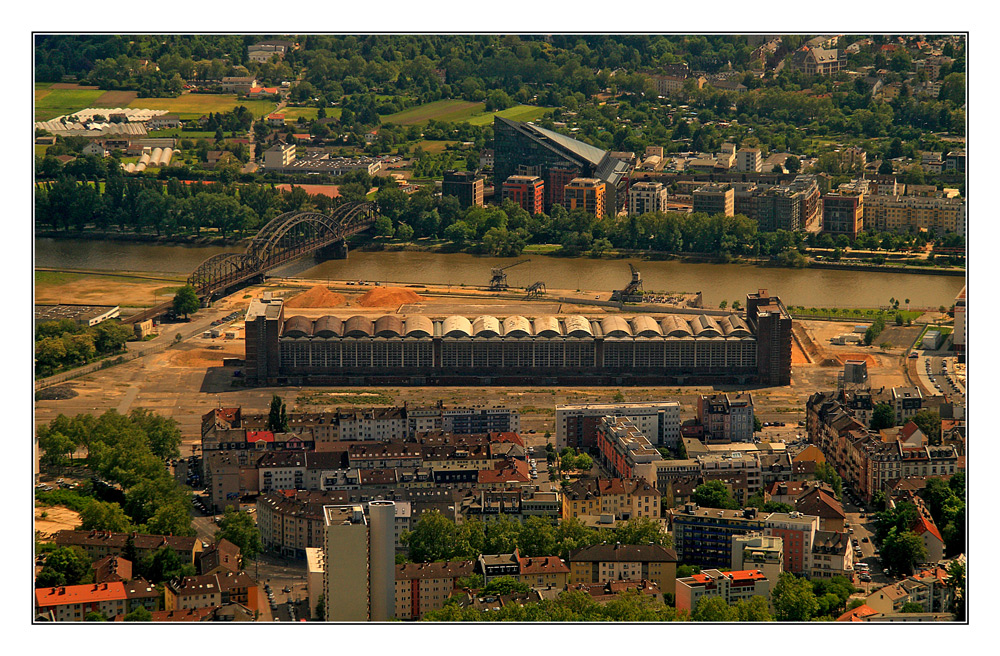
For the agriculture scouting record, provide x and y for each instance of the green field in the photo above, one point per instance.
(178, 133)
(516, 113)
(50, 103)
(292, 114)
(190, 106)
(433, 147)
(459, 111)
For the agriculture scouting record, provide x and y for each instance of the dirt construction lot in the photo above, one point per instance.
(57, 518)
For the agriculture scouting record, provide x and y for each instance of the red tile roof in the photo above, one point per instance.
(543, 565)
(925, 525)
(856, 614)
(79, 594)
(260, 436)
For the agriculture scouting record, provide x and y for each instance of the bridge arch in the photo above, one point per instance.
(282, 239)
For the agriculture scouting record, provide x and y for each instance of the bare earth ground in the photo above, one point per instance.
(57, 519)
(188, 380)
(106, 290)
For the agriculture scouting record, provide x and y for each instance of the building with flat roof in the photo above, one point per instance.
(843, 213)
(731, 586)
(714, 198)
(527, 191)
(359, 582)
(704, 536)
(764, 553)
(467, 186)
(587, 194)
(85, 315)
(797, 532)
(644, 197)
(576, 425)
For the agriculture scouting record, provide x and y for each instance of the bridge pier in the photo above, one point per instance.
(335, 251)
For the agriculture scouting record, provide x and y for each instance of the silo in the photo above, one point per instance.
(382, 560)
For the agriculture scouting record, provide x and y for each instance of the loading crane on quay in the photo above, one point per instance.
(498, 281)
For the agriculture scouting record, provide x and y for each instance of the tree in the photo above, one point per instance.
(912, 607)
(825, 472)
(186, 301)
(277, 419)
(757, 424)
(55, 445)
(102, 516)
(714, 494)
(95, 616)
(883, 416)
(470, 582)
(164, 564)
(537, 537)
(505, 585)
(713, 609)
(63, 566)
(755, 609)
(321, 607)
(793, 599)
(433, 538)
(929, 423)
(793, 164)
(404, 232)
(140, 614)
(901, 551)
(240, 528)
(642, 530)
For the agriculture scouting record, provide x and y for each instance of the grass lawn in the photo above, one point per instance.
(50, 103)
(42, 85)
(542, 249)
(460, 111)
(516, 113)
(440, 110)
(178, 133)
(40, 149)
(433, 147)
(861, 314)
(195, 105)
(292, 114)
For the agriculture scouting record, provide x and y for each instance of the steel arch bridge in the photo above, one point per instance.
(283, 239)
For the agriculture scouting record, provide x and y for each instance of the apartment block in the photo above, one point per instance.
(576, 425)
(704, 536)
(587, 194)
(359, 581)
(756, 551)
(906, 402)
(797, 533)
(72, 603)
(908, 214)
(748, 160)
(646, 197)
(714, 198)
(602, 563)
(623, 446)
(726, 417)
(624, 498)
(467, 186)
(423, 587)
(527, 191)
(731, 586)
(843, 214)
(279, 156)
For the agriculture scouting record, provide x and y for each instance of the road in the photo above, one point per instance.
(862, 523)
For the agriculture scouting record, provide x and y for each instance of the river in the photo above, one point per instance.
(717, 282)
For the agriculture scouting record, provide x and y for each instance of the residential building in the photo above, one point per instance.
(937, 215)
(192, 592)
(906, 402)
(543, 572)
(623, 446)
(713, 199)
(748, 160)
(797, 533)
(832, 555)
(423, 587)
(527, 191)
(958, 334)
(817, 502)
(276, 120)
(756, 551)
(98, 544)
(587, 194)
(238, 84)
(467, 186)
(111, 568)
(624, 498)
(359, 578)
(72, 603)
(162, 121)
(819, 61)
(731, 586)
(603, 593)
(772, 324)
(279, 156)
(576, 425)
(493, 566)
(602, 563)
(557, 159)
(726, 417)
(646, 197)
(843, 213)
(704, 536)
(739, 471)
(219, 557)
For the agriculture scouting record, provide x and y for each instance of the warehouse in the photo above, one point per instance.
(513, 350)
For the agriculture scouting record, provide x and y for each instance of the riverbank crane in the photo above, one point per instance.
(498, 281)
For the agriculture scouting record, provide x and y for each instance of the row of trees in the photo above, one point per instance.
(129, 453)
(66, 343)
(435, 537)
